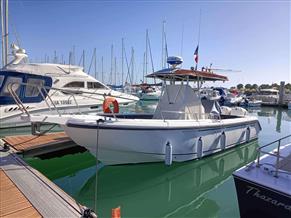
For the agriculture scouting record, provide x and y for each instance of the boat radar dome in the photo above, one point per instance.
(174, 61)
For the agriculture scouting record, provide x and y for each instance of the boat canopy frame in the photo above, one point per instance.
(177, 74)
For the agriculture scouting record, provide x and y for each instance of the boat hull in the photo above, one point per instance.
(131, 145)
(255, 199)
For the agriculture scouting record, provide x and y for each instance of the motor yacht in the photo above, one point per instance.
(73, 91)
(267, 96)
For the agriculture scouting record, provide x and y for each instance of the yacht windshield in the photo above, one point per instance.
(32, 91)
(76, 84)
(16, 85)
(1, 80)
(95, 85)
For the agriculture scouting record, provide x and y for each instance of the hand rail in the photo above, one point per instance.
(275, 154)
(16, 98)
(48, 100)
(41, 89)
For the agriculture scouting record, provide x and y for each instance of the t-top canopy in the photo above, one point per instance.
(183, 74)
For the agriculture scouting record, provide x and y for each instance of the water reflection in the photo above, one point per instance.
(279, 114)
(152, 190)
(201, 188)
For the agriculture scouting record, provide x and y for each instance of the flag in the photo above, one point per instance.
(196, 54)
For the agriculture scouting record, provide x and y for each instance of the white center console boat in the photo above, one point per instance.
(179, 130)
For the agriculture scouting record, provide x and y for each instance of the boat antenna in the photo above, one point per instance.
(164, 46)
(196, 52)
(16, 34)
(182, 41)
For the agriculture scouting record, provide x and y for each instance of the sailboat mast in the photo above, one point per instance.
(73, 55)
(115, 74)
(122, 59)
(163, 30)
(143, 68)
(95, 64)
(3, 32)
(6, 33)
(102, 73)
(84, 60)
(132, 65)
(111, 67)
(146, 55)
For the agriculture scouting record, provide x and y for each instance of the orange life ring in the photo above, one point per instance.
(106, 105)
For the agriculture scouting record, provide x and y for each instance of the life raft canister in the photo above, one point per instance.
(106, 105)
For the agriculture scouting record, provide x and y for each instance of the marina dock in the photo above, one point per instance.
(38, 144)
(33, 194)
(25, 192)
(14, 204)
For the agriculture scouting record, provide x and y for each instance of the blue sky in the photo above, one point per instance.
(251, 36)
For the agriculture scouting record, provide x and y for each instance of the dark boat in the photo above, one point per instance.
(264, 187)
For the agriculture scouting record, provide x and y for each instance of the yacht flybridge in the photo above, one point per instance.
(73, 91)
(179, 130)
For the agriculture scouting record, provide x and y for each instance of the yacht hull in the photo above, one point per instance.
(11, 114)
(138, 144)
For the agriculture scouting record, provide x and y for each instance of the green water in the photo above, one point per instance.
(199, 188)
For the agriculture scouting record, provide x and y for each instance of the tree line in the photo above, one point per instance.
(262, 86)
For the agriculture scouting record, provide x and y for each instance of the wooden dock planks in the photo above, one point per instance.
(35, 192)
(22, 143)
(12, 202)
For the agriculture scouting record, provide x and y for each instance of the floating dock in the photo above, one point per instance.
(38, 144)
(25, 192)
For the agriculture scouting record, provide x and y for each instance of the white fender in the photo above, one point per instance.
(248, 134)
(168, 154)
(199, 148)
(222, 140)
